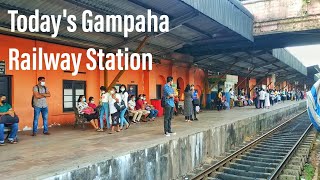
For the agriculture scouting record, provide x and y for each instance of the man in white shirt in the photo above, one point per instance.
(262, 98)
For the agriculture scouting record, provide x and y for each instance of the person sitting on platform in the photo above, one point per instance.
(7, 118)
(132, 109)
(141, 106)
(88, 112)
(153, 112)
(91, 103)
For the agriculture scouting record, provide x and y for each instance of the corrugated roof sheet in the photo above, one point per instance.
(228, 13)
(287, 58)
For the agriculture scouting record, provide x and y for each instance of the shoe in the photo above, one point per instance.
(2, 144)
(196, 119)
(167, 134)
(34, 134)
(46, 133)
(172, 133)
(12, 142)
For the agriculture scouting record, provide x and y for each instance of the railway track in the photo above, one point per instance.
(265, 157)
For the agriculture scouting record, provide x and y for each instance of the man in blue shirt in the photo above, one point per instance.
(168, 94)
(195, 102)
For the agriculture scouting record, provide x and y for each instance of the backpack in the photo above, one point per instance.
(45, 90)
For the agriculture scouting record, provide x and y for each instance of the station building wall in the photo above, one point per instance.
(23, 81)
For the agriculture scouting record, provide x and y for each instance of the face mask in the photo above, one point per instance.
(92, 102)
(43, 83)
(122, 89)
(112, 92)
(141, 97)
(131, 89)
(134, 99)
(84, 99)
(144, 98)
(3, 101)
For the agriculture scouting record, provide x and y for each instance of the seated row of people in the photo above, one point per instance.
(113, 107)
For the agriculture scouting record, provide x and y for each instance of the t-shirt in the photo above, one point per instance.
(124, 97)
(262, 95)
(168, 90)
(81, 106)
(112, 108)
(105, 97)
(5, 108)
(139, 104)
(42, 102)
(131, 104)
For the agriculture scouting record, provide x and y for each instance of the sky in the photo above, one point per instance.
(308, 55)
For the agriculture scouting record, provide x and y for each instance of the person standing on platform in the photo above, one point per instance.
(131, 91)
(267, 103)
(256, 98)
(228, 97)
(262, 98)
(40, 105)
(231, 98)
(195, 102)
(124, 97)
(104, 110)
(219, 99)
(188, 107)
(168, 94)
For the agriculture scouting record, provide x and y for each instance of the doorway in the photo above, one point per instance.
(6, 87)
(134, 91)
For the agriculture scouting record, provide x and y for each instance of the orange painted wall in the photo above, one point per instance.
(23, 81)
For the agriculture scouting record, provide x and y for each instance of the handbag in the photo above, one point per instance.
(115, 118)
(120, 107)
(88, 111)
(7, 119)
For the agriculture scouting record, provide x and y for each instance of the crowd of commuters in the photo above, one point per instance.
(116, 107)
(262, 98)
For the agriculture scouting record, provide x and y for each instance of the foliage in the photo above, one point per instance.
(308, 171)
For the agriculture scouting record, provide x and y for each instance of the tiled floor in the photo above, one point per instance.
(67, 148)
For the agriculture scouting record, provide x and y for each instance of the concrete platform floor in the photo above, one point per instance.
(67, 148)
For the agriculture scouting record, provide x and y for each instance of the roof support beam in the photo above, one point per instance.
(122, 71)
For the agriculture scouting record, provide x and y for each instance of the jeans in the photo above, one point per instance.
(36, 114)
(256, 102)
(13, 132)
(167, 118)
(153, 113)
(104, 110)
(262, 103)
(122, 118)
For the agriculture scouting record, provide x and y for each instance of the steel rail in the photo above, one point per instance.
(232, 156)
(287, 158)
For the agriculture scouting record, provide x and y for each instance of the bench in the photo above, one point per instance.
(80, 120)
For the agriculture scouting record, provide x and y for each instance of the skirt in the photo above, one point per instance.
(90, 117)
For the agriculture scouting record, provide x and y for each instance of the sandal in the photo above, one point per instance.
(100, 130)
(128, 126)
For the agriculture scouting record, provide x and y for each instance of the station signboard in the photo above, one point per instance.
(2, 68)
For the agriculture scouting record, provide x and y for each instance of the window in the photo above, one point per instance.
(158, 91)
(71, 92)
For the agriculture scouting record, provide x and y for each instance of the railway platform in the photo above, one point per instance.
(142, 151)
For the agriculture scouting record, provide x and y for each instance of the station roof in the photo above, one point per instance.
(255, 64)
(314, 72)
(220, 20)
